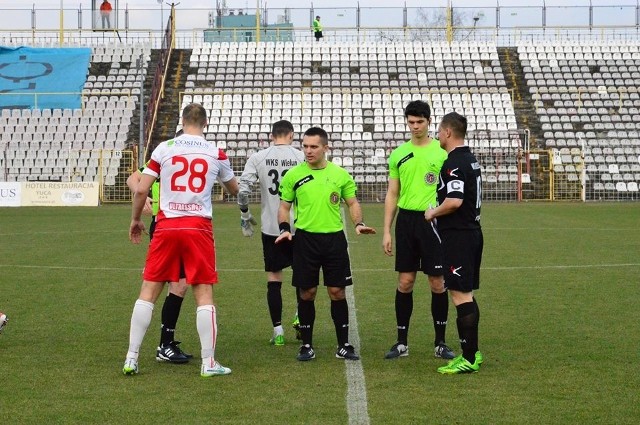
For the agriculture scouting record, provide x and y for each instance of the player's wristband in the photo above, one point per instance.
(360, 224)
(284, 227)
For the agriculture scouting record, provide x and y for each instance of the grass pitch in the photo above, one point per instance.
(558, 328)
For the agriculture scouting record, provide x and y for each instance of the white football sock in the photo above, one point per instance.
(140, 320)
(208, 331)
(277, 330)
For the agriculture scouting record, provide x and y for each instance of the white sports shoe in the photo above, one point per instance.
(3, 320)
(130, 367)
(216, 369)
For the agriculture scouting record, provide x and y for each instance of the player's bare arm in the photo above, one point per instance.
(283, 219)
(355, 211)
(447, 207)
(232, 186)
(132, 183)
(390, 209)
(139, 198)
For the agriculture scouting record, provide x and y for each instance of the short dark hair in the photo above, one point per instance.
(281, 128)
(418, 108)
(194, 114)
(456, 123)
(317, 131)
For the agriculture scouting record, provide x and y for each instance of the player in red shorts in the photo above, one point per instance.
(187, 167)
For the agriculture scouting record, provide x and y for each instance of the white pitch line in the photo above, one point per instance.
(555, 267)
(357, 409)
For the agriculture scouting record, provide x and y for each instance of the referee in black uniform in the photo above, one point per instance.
(458, 222)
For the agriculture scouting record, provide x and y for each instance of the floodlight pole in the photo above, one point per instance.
(140, 67)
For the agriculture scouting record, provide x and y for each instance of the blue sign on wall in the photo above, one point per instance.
(42, 78)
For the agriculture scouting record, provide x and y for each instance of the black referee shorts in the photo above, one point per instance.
(276, 256)
(462, 250)
(417, 244)
(313, 251)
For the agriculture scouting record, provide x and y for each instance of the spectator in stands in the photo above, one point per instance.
(317, 28)
(316, 187)
(105, 12)
(187, 168)
(267, 167)
(458, 222)
(168, 349)
(413, 178)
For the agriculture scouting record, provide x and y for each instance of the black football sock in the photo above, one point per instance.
(170, 313)
(439, 313)
(468, 330)
(404, 309)
(307, 316)
(477, 319)
(340, 316)
(274, 301)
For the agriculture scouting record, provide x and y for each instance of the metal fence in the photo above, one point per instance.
(505, 25)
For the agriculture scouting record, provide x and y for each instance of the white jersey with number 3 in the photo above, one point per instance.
(187, 168)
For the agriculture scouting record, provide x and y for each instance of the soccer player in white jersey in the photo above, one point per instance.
(187, 167)
(267, 167)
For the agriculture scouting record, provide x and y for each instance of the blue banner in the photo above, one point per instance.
(42, 78)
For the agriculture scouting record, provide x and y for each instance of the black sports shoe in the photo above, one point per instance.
(442, 351)
(347, 352)
(397, 350)
(171, 353)
(187, 355)
(306, 353)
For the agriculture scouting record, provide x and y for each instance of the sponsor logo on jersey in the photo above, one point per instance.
(302, 181)
(177, 206)
(430, 178)
(405, 159)
(334, 198)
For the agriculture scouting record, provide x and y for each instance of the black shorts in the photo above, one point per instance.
(462, 250)
(152, 227)
(313, 251)
(417, 244)
(318, 35)
(276, 256)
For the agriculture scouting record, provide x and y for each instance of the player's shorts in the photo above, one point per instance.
(315, 251)
(184, 242)
(152, 228)
(462, 250)
(276, 256)
(417, 244)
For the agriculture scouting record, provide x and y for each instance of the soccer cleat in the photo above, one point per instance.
(3, 320)
(397, 350)
(171, 353)
(459, 365)
(187, 355)
(296, 327)
(442, 351)
(216, 369)
(306, 353)
(347, 352)
(130, 367)
(479, 358)
(277, 340)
